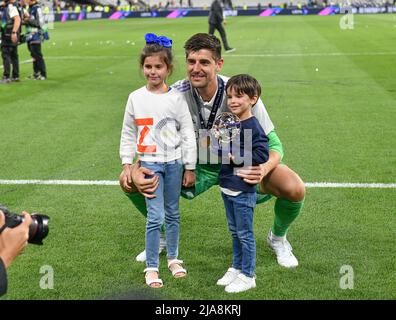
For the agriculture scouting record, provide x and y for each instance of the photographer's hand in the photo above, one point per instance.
(14, 38)
(13, 240)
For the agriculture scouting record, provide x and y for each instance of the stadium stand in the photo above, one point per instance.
(143, 5)
(261, 3)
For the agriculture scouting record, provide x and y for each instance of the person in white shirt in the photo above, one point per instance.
(158, 129)
(10, 30)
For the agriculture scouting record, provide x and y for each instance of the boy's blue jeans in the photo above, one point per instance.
(239, 211)
(164, 207)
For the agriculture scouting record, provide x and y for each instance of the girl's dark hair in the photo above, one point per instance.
(244, 84)
(201, 41)
(156, 49)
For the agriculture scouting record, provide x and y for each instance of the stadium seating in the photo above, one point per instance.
(228, 4)
(255, 3)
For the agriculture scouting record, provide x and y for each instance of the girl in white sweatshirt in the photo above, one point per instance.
(158, 129)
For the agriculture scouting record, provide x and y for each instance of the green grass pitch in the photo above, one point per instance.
(331, 94)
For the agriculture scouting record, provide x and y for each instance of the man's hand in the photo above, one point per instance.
(255, 174)
(133, 179)
(189, 178)
(146, 186)
(14, 38)
(252, 174)
(13, 240)
(126, 178)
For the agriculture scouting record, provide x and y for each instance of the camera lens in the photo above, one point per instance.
(38, 229)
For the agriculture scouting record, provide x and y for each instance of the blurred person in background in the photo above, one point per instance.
(216, 20)
(10, 32)
(35, 35)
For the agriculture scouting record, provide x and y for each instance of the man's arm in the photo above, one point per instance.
(255, 174)
(260, 112)
(15, 28)
(218, 11)
(17, 24)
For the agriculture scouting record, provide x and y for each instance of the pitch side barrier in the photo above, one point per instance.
(180, 13)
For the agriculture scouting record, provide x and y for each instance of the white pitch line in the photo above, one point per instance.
(62, 182)
(22, 62)
(116, 183)
(350, 185)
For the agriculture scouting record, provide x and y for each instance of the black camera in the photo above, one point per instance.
(38, 229)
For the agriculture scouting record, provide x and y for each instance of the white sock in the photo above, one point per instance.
(276, 238)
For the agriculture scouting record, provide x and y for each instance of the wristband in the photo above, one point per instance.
(3, 227)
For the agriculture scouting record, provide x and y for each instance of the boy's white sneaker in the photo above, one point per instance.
(141, 257)
(283, 251)
(241, 283)
(228, 277)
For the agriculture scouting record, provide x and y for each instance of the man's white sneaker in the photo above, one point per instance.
(240, 284)
(141, 257)
(228, 277)
(162, 245)
(283, 251)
